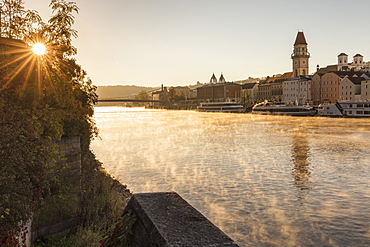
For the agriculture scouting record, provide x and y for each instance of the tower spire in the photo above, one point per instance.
(222, 79)
(213, 79)
(300, 39)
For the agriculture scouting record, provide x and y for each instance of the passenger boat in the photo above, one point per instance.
(221, 107)
(268, 108)
(345, 109)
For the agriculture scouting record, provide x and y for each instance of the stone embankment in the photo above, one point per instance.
(166, 219)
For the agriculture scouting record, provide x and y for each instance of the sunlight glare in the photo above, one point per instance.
(39, 49)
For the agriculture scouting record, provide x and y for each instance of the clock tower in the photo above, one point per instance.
(300, 56)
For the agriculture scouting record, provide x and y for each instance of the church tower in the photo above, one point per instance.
(357, 61)
(213, 79)
(342, 62)
(300, 56)
(222, 79)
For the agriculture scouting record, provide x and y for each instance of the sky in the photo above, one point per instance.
(181, 42)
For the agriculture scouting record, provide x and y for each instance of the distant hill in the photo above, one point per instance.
(121, 91)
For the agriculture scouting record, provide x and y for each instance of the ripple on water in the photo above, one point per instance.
(264, 180)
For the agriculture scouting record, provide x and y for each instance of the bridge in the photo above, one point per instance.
(129, 100)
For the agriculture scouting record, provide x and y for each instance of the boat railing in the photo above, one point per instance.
(340, 108)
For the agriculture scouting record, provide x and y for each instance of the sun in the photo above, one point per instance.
(39, 49)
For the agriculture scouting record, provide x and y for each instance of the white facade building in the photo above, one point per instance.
(356, 87)
(357, 63)
(365, 90)
(297, 90)
(350, 88)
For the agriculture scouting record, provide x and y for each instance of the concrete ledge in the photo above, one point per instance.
(166, 219)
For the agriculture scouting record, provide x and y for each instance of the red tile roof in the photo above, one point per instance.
(286, 75)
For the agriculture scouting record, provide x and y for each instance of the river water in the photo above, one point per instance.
(263, 180)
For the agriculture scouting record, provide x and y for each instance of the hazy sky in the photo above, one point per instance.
(180, 42)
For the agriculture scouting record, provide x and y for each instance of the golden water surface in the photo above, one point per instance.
(264, 180)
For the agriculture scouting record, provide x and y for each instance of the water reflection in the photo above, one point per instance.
(300, 158)
(264, 180)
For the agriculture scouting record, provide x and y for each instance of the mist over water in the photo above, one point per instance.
(264, 180)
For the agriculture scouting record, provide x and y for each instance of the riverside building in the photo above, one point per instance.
(219, 91)
(297, 90)
(341, 81)
(275, 89)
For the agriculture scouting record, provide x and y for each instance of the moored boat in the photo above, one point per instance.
(268, 108)
(221, 107)
(345, 109)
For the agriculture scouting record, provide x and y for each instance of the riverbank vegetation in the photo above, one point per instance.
(45, 97)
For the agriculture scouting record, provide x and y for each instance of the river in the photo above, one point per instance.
(263, 180)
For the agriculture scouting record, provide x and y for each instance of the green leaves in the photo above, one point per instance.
(13, 19)
(60, 31)
(41, 100)
(120, 233)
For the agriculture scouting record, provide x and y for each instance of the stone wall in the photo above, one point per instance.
(166, 219)
(68, 172)
(71, 148)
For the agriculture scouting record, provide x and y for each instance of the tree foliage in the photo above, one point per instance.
(174, 96)
(366, 65)
(142, 95)
(42, 98)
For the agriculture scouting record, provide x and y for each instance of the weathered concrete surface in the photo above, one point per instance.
(166, 219)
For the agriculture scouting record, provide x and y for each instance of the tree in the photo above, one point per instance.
(366, 65)
(41, 100)
(179, 96)
(171, 94)
(142, 95)
(16, 22)
(245, 97)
